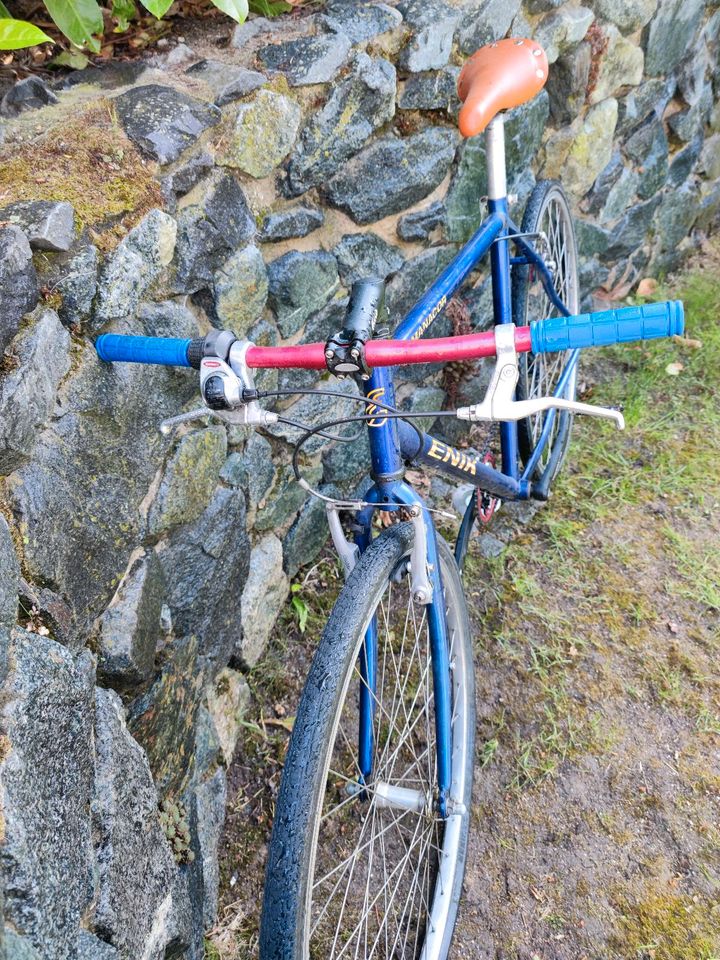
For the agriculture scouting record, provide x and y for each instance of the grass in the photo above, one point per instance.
(600, 621)
(667, 460)
(666, 925)
(697, 567)
(671, 445)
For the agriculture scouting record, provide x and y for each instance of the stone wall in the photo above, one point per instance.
(247, 184)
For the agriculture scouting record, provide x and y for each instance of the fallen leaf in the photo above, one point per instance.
(287, 724)
(647, 286)
(673, 369)
(688, 342)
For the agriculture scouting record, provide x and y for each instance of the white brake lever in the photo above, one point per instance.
(500, 403)
(526, 408)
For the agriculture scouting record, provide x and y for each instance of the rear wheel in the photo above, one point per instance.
(547, 213)
(360, 869)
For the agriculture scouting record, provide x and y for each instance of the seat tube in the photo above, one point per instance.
(500, 266)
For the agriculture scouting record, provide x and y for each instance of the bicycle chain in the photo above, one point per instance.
(486, 504)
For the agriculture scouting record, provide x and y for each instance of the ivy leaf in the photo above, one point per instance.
(158, 8)
(78, 20)
(301, 608)
(16, 34)
(237, 9)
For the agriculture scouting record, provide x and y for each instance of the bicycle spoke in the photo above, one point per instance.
(377, 864)
(540, 374)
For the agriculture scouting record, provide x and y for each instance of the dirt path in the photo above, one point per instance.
(596, 817)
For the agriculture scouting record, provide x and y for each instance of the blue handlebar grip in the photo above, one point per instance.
(648, 322)
(168, 351)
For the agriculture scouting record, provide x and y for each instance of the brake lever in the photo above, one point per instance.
(170, 423)
(222, 386)
(499, 402)
(526, 408)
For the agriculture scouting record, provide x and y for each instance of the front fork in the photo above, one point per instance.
(392, 491)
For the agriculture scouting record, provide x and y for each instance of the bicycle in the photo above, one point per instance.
(370, 833)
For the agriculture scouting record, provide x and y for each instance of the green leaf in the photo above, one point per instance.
(78, 20)
(158, 8)
(123, 11)
(70, 58)
(5, 13)
(302, 610)
(237, 9)
(270, 8)
(16, 34)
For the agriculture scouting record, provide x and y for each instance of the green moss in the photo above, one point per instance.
(176, 827)
(669, 926)
(279, 84)
(93, 166)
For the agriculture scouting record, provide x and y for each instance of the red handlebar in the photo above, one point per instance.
(388, 353)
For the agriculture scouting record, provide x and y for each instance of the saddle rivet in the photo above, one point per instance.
(539, 74)
(519, 43)
(537, 52)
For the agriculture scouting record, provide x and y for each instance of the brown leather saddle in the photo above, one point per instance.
(500, 76)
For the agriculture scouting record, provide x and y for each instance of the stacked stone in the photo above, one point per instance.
(150, 570)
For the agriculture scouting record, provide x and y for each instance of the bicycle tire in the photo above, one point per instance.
(547, 210)
(295, 848)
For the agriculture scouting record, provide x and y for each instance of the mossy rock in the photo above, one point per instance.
(89, 163)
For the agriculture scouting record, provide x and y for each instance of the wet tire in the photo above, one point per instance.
(321, 812)
(548, 211)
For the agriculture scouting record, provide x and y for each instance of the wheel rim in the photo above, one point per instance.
(382, 878)
(541, 372)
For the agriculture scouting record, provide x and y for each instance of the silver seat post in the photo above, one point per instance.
(495, 149)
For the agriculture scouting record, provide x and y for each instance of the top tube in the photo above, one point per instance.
(421, 316)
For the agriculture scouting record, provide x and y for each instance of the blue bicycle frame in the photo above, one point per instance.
(394, 442)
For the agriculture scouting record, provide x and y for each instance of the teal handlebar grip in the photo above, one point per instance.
(168, 351)
(648, 322)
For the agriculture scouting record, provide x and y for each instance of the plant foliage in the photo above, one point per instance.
(83, 24)
(17, 34)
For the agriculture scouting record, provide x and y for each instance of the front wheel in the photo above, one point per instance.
(547, 213)
(366, 867)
